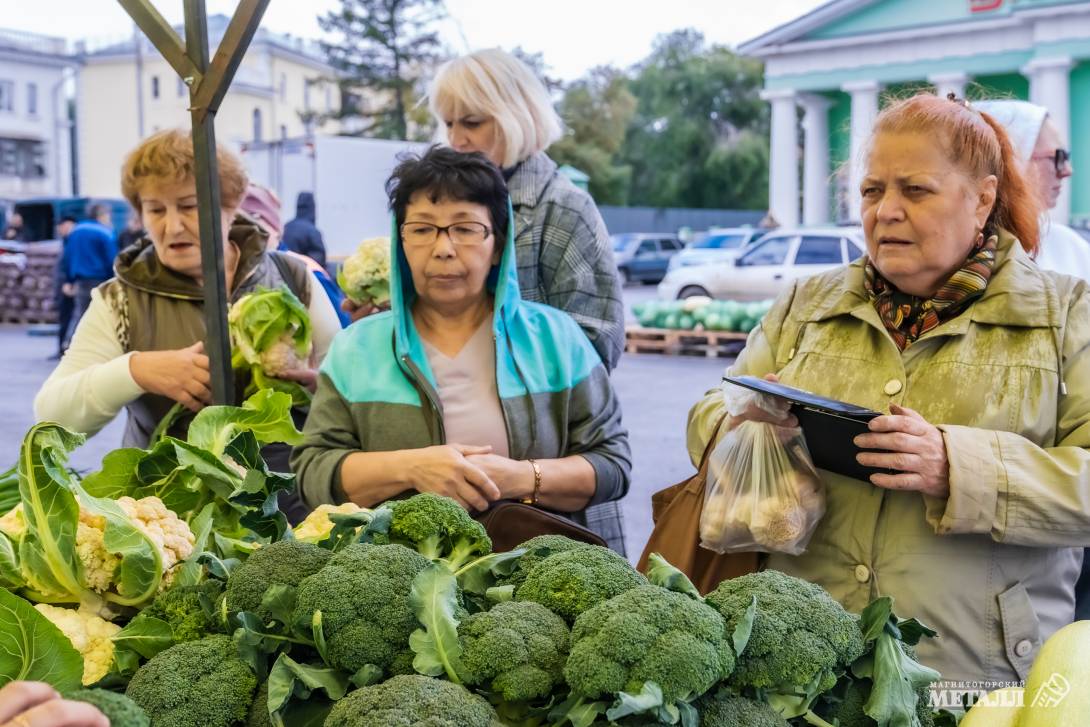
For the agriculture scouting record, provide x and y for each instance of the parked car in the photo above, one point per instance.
(41, 214)
(644, 257)
(763, 270)
(720, 245)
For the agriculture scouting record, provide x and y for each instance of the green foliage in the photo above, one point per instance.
(190, 610)
(516, 650)
(699, 118)
(363, 595)
(195, 684)
(849, 709)
(801, 639)
(437, 528)
(435, 601)
(648, 634)
(119, 709)
(270, 334)
(285, 562)
(410, 700)
(33, 649)
(570, 582)
(384, 51)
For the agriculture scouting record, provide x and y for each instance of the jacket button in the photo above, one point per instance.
(862, 573)
(1023, 647)
(893, 387)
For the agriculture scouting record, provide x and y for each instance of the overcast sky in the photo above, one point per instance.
(573, 35)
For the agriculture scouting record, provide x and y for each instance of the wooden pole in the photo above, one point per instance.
(208, 84)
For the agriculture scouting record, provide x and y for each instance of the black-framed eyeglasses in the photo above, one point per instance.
(1059, 158)
(424, 234)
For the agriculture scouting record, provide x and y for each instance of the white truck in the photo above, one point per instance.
(346, 174)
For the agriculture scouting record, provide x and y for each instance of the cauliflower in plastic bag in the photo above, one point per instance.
(365, 275)
(762, 493)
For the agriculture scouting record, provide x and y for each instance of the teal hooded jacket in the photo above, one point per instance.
(376, 391)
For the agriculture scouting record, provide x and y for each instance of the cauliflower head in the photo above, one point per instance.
(317, 525)
(91, 635)
(365, 275)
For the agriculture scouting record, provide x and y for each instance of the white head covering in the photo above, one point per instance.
(1021, 119)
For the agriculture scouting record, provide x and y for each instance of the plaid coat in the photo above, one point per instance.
(565, 260)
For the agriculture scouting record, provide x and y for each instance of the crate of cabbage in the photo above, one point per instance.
(402, 615)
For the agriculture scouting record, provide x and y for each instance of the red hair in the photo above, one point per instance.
(979, 145)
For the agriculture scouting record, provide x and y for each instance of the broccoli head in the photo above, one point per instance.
(119, 709)
(195, 684)
(412, 701)
(437, 528)
(517, 650)
(848, 711)
(570, 582)
(181, 607)
(363, 594)
(723, 709)
(285, 562)
(801, 637)
(648, 634)
(538, 549)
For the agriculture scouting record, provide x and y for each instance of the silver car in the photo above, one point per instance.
(719, 245)
(765, 269)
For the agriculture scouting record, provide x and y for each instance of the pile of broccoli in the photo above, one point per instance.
(556, 633)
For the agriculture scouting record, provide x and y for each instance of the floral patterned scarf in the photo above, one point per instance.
(907, 317)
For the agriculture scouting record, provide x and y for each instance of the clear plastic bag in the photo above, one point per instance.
(762, 491)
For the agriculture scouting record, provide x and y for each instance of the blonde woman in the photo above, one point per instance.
(491, 102)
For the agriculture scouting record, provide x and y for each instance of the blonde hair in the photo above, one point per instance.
(167, 156)
(494, 83)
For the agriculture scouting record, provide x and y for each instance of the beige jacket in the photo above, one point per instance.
(992, 567)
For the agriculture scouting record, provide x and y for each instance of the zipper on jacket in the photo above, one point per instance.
(423, 385)
(528, 396)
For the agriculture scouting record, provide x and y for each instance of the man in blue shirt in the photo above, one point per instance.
(88, 259)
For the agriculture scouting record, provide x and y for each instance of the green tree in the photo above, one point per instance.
(385, 49)
(597, 110)
(699, 134)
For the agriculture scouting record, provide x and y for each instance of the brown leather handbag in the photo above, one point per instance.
(676, 536)
(512, 523)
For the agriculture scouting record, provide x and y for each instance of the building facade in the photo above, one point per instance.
(829, 72)
(35, 131)
(128, 91)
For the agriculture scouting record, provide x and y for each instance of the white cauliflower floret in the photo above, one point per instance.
(91, 635)
(365, 275)
(317, 525)
(779, 523)
(99, 564)
(282, 357)
(170, 533)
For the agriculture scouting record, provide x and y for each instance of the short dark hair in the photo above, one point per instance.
(97, 210)
(447, 174)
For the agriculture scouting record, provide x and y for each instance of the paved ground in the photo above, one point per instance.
(656, 393)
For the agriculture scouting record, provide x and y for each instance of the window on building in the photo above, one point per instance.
(181, 87)
(307, 83)
(32, 99)
(257, 124)
(283, 131)
(155, 86)
(328, 98)
(7, 95)
(22, 158)
(283, 87)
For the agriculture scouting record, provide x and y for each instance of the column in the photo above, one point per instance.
(815, 163)
(1049, 86)
(783, 173)
(946, 83)
(864, 111)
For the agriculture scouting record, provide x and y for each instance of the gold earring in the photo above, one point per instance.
(979, 241)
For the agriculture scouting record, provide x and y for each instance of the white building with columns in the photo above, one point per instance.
(830, 71)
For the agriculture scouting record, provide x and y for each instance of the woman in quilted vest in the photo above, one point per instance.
(140, 345)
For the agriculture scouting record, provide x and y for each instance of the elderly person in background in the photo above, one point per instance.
(263, 206)
(462, 389)
(140, 346)
(982, 360)
(1047, 164)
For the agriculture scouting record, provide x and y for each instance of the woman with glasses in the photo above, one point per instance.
(462, 389)
(1047, 164)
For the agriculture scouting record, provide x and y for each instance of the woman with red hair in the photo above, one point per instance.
(982, 361)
